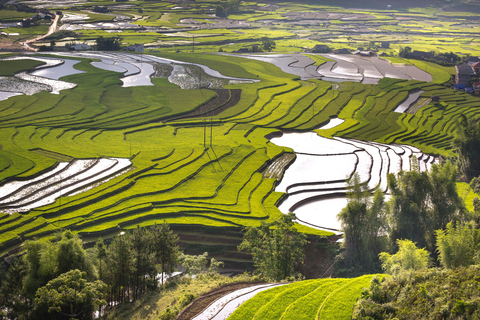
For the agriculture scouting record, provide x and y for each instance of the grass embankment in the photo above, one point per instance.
(10, 67)
(310, 299)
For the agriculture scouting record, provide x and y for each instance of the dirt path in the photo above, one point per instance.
(202, 302)
(51, 30)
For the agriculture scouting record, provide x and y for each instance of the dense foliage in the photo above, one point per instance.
(108, 44)
(420, 204)
(59, 279)
(467, 145)
(277, 247)
(424, 294)
(423, 202)
(363, 223)
(408, 257)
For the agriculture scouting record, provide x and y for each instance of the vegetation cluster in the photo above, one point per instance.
(59, 279)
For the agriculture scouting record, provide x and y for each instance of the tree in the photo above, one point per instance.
(408, 257)
(13, 271)
(165, 247)
(108, 44)
(141, 240)
(404, 51)
(46, 260)
(467, 146)
(423, 202)
(458, 246)
(363, 221)
(120, 268)
(194, 264)
(268, 44)
(446, 204)
(69, 296)
(277, 247)
(71, 255)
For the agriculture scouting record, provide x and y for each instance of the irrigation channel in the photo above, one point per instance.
(315, 183)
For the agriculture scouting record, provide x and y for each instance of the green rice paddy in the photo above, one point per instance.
(310, 299)
(207, 170)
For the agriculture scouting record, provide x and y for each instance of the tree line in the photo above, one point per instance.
(60, 279)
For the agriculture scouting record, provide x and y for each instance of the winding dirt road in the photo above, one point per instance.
(51, 30)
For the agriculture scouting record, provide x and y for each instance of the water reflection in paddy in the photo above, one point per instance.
(4, 95)
(315, 183)
(59, 71)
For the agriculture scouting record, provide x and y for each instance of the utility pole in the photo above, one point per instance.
(193, 43)
(205, 134)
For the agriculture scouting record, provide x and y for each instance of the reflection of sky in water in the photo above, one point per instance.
(312, 143)
(308, 168)
(57, 72)
(56, 85)
(141, 79)
(412, 97)
(223, 307)
(324, 164)
(323, 214)
(333, 123)
(108, 67)
(5, 95)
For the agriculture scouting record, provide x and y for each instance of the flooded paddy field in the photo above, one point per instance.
(345, 67)
(315, 183)
(139, 69)
(44, 78)
(63, 180)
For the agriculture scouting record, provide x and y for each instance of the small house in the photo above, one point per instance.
(342, 51)
(476, 68)
(472, 60)
(463, 74)
(135, 47)
(365, 53)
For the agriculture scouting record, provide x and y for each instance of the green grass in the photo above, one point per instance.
(12, 15)
(310, 299)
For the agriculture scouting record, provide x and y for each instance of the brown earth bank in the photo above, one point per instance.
(224, 99)
(319, 258)
(202, 302)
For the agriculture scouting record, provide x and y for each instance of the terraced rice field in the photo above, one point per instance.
(202, 156)
(307, 188)
(310, 299)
